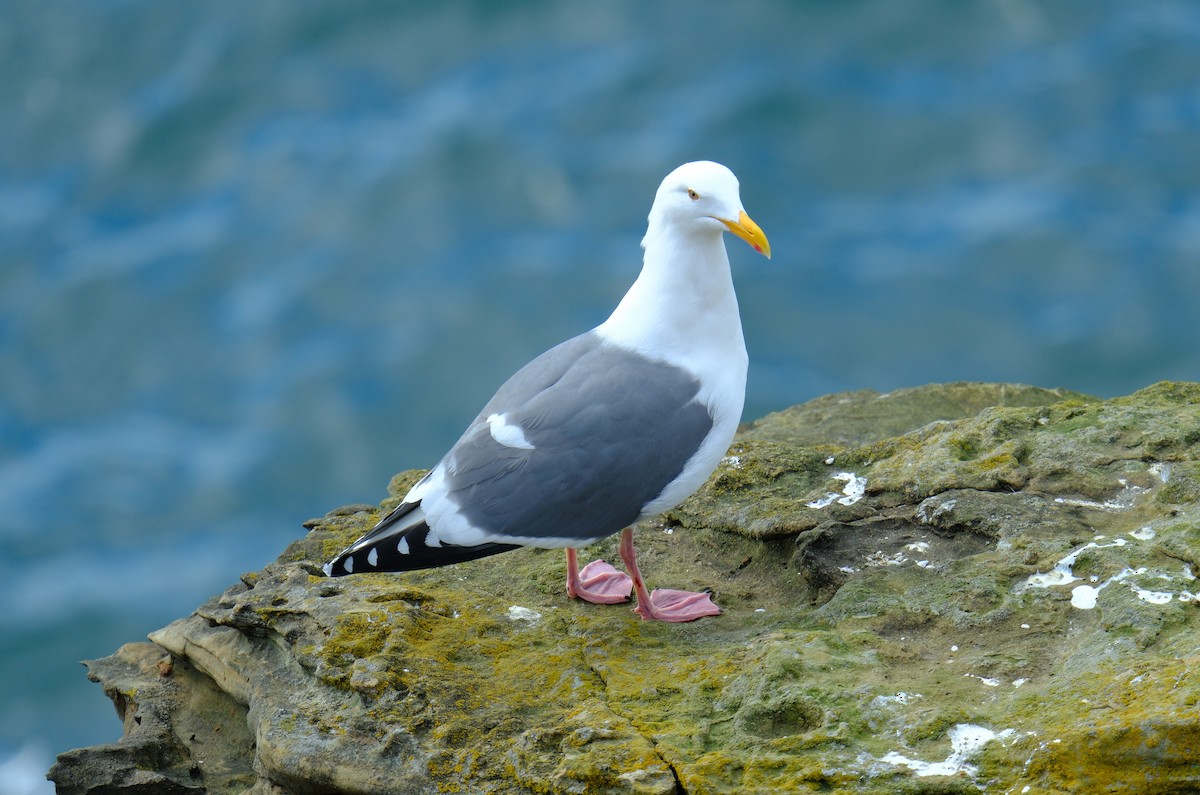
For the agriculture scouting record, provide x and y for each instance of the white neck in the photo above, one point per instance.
(682, 309)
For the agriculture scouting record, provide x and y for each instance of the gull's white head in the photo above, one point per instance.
(704, 196)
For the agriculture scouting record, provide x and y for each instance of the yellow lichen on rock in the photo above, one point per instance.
(979, 599)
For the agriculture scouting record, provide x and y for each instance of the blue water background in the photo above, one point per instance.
(257, 257)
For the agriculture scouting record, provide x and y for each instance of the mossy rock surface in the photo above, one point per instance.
(959, 588)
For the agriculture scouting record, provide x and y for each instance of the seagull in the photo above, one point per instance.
(604, 430)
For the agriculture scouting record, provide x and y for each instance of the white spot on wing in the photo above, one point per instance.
(348, 565)
(506, 434)
(402, 547)
(373, 558)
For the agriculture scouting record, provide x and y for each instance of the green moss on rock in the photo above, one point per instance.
(891, 568)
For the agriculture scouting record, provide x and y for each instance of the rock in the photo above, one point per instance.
(950, 589)
(853, 419)
(171, 713)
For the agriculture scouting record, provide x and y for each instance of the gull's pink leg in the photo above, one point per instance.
(664, 604)
(598, 583)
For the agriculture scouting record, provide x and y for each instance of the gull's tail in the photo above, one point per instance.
(399, 543)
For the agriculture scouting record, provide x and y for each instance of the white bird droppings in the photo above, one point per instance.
(854, 490)
(1143, 533)
(1153, 597)
(1083, 597)
(966, 739)
(1123, 500)
(1061, 574)
(900, 698)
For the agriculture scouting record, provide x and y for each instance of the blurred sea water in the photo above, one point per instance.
(256, 258)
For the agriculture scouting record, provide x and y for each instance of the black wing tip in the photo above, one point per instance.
(385, 555)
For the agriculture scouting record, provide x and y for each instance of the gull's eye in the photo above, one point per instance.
(693, 195)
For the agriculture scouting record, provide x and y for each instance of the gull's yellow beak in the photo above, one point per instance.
(747, 230)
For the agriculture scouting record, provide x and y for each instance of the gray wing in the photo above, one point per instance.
(609, 431)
